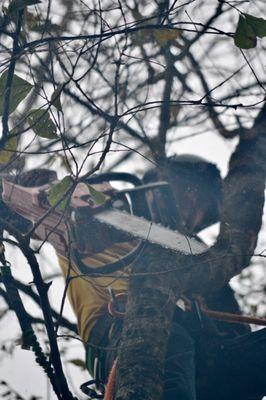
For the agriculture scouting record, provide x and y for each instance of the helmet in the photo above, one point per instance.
(196, 184)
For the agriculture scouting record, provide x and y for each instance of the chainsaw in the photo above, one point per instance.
(89, 226)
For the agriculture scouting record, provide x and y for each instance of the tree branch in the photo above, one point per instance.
(152, 298)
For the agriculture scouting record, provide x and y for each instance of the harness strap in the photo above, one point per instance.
(95, 356)
(115, 303)
(218, 315)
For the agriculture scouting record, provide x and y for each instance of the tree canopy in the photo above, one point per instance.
(88, 87)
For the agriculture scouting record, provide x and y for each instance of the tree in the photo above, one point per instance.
(104, 85)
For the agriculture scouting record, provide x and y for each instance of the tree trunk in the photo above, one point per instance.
(160, 276)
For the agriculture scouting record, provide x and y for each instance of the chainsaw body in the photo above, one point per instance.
(56, 227)
(89, 227)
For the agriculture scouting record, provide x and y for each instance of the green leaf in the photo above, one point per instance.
(245, 37)
(98, 197)
(41, 123)
(78, 362)
(9, 150)
(258, 25)
(59, 190)
(19, 90)
(55, 98)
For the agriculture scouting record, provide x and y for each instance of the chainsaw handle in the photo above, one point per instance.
(138, 198)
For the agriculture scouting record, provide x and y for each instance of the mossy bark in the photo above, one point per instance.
(160, 275)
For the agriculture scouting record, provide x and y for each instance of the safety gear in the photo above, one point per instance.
(197, 188)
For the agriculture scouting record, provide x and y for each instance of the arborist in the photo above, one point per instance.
(197, 191)
(199, 348)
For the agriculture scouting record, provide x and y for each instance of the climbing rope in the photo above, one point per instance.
(110, 387)
(217, 315)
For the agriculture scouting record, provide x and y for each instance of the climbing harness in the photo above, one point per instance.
(137, 204)
(199, 308)
(117, 303)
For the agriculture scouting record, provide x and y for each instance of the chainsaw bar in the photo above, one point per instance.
(31, 203)
(151, 232)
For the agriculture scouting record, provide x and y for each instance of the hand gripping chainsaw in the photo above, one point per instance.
(91, 226)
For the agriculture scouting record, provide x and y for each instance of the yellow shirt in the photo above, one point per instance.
(89, 297)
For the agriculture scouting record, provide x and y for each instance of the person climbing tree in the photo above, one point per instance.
(195, 340)
(198, 349)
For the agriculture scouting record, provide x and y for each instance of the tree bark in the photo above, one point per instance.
(160, 275)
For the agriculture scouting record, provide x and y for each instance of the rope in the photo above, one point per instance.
(218, 315)
(224, 316)
(110, 387)
(233, 318)
(112, 305)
